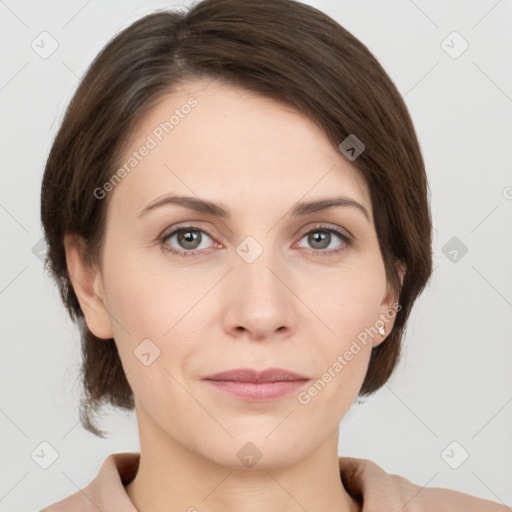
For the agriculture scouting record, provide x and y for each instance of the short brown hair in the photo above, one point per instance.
(280, 49)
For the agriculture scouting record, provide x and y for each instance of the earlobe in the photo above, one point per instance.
(388, 310)
(87, 284)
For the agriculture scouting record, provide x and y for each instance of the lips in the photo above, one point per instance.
(255, 376)
(256, 386)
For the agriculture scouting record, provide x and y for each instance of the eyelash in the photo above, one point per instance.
(315, 252)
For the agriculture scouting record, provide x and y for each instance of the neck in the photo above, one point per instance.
(173, 477)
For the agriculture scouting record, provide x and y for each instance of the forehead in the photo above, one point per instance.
(231, 145)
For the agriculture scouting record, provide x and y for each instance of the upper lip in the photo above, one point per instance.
(251, 375)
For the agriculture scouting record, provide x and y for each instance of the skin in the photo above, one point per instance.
(216, 312)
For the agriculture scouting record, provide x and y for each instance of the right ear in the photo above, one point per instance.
(87, 283)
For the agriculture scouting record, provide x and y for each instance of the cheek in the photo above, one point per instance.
(341, 359)
(348, 309)
(148, 306)
(150, 298)
(149, 295)
(348, 302)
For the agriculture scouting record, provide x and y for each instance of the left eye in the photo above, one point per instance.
(190, 238)
(321, 238)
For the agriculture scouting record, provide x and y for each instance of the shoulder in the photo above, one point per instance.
(379, 490)
(106, 491)
(74, 503)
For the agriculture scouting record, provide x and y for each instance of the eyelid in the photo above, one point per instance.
(328, 227)
(171, 230)
(301, 231)
(346, 237)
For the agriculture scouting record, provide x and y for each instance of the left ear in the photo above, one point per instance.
(388, 308)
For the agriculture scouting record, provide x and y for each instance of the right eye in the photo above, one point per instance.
(188, 237)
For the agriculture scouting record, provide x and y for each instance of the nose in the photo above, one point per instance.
(260, 300)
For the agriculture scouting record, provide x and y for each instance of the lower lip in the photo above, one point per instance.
(257, 391)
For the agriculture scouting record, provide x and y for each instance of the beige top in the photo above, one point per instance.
(367, 482)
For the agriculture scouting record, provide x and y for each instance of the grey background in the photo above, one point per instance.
(454, 381)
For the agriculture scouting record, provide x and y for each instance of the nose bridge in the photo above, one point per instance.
(260, 301)
(256, 264)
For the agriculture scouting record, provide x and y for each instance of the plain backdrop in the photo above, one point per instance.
(451, 395)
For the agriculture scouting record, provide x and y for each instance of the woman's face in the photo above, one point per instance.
(260, 287)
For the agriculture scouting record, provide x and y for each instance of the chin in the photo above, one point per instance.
(255, 453)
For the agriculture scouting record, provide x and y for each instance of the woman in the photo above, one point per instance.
(236, 213)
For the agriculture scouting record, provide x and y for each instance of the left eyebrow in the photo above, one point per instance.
(219, 210)
(322, 204)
